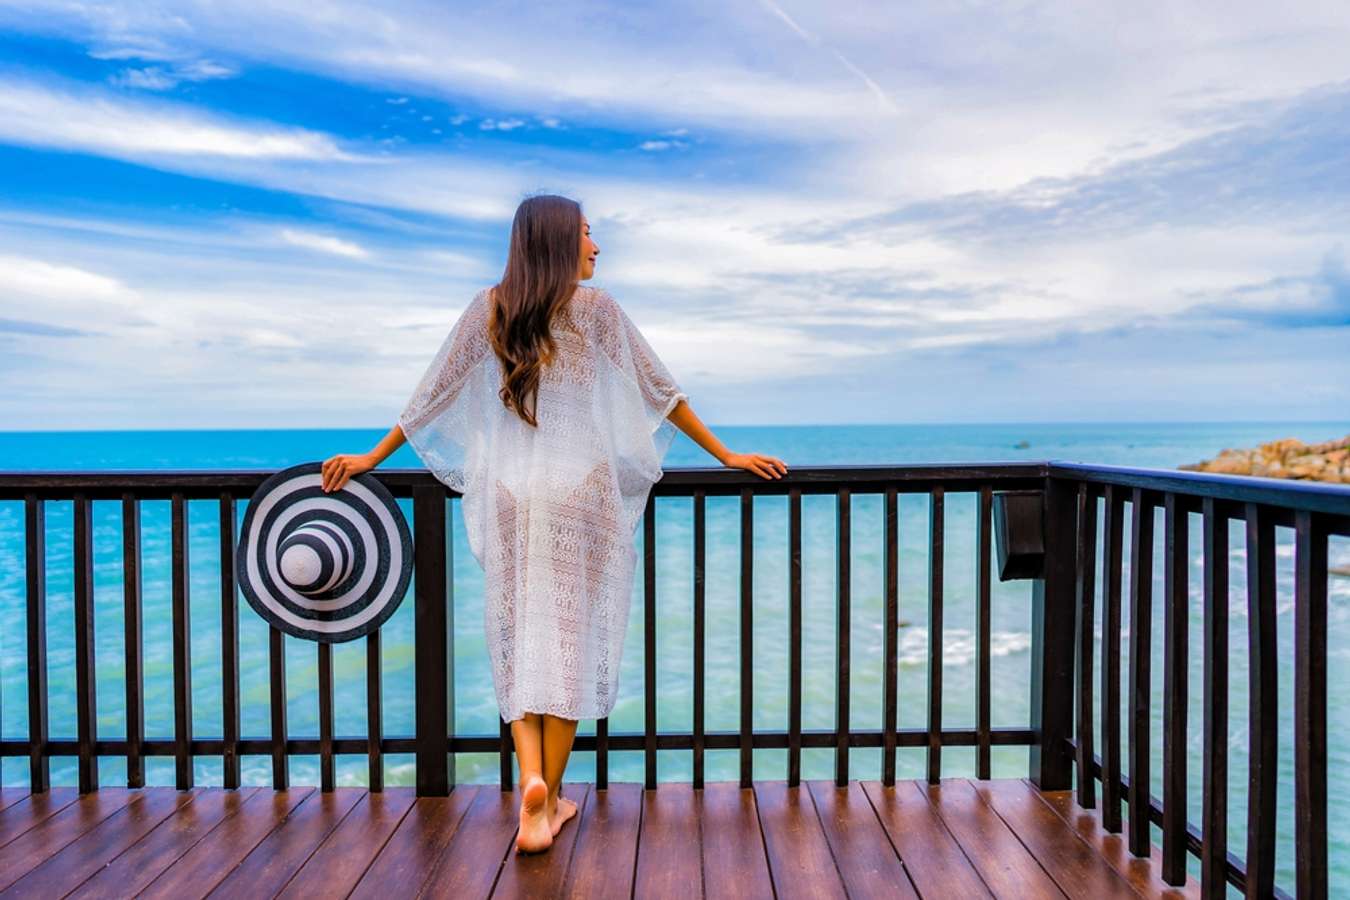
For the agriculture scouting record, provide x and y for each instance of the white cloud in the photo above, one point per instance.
(500, 124)
(324, 243)
(53, 281)
(79, 118)
(163, 78)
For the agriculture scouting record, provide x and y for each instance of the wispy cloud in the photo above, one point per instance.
(80, 118)
(164, 78)
(324, 243)
(883, 98)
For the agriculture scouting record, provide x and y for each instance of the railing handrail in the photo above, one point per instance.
(1316, 496)
(1289, 493)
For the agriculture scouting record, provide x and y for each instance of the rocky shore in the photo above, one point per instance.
(1286, 458)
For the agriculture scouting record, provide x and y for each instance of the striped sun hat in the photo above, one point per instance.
(328, 567)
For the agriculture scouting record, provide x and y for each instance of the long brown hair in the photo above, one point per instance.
(540, 277)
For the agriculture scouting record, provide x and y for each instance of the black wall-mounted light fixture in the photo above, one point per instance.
(1019, 534)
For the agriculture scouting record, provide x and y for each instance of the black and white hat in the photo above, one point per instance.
(329, 567)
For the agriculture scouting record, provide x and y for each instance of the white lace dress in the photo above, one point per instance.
(551, 511)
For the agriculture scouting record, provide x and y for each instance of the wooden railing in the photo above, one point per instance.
(1314, 512)
(1060, 733)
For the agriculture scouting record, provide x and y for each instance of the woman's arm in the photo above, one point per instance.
(687, 420)
(337, 470)
(387, 445)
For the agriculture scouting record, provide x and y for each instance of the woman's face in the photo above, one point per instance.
(589, 249)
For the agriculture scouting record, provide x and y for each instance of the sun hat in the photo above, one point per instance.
(327, 567)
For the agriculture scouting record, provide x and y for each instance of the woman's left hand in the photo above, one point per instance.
(337, 470)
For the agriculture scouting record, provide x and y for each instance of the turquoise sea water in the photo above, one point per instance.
(1154, 445)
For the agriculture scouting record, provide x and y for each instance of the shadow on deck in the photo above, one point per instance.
(962, 839)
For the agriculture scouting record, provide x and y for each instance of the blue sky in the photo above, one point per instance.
(269, 214)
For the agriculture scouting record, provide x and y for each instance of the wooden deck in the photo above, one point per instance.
(962, 839)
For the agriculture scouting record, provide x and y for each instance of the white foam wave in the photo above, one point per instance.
(958, 645)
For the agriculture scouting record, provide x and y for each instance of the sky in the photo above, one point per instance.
(270, 214)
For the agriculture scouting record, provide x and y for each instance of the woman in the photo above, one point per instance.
(550, 413)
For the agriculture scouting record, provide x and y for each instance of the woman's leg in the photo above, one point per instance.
(535, 833)
(558, 735)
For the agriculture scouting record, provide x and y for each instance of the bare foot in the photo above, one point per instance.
(563, 809)
(534, 834)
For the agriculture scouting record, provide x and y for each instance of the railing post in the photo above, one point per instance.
(1052, 636)
(435, 768)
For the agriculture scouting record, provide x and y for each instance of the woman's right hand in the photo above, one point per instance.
(338, 470)
(770, 467)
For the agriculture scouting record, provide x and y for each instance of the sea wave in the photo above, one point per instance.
(958, 645)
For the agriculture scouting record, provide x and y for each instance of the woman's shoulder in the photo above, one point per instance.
(600, 300)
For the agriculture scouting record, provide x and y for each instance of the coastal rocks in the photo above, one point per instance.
(1286, 458)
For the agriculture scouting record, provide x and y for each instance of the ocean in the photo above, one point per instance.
(1162, 445)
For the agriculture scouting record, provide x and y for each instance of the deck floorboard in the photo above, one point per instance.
(670, 847)
(960, 838)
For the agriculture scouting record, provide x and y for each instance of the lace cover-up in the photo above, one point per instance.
(551, 511)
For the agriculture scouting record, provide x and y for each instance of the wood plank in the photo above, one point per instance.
(1214, 703)
(470, 866)
(409, 857)
(229, 640)
(87, 854)
(10, 796)
(734, 864)
(890, 634)
(1004, 864)
(200, 869)
(649, 643)
(1176, 686)
(936, 538)
(983, 632)
(44, 840)
(1310, 704)
(1076, 868)
(35, 631)
(349, 849)
(799, 855)
(601, 755)
(669, 847)
(431, 660)
(866, 861)
(544, 874)
(374, 711)
(931, 856)
(1144, 873)
(86, 691)
(699, 630)
(271, 864)
(605, 856)
(1113, 523)
(133, 646)
(747, 635)
(327, 771)
(1141, 656)
(276, 673)
(843, 583)
(182, 641)
(1263, 701)
(32, 811)
(131, 871)
(1085, 635)
(506, 745)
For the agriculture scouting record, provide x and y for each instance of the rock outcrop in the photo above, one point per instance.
(1286, 458)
